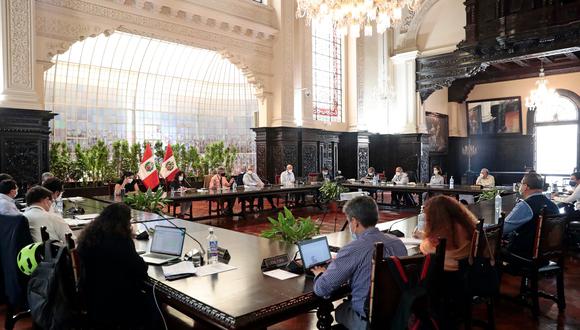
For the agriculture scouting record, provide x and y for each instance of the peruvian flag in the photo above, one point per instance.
(147, 170)
(169, 167)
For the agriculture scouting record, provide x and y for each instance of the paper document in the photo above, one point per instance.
(180, 268)
(75, 199)
(89, 216)
(76, 222)
(280, 274)
(213, 269)
(411, 241)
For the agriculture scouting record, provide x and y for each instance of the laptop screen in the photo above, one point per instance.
(314, 252)
(168, 240)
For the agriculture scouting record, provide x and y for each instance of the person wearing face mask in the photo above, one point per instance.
(55, 186)
(251, 179)
(325, 175)
(219, 181)
(485, 179)
(519, 226)
(400, 177)
(127, 181)
(437, 177)
(574, 198)
(180, 185)
(353, 262)
(8, 191)
(39, 201)
(370, 175)
(287, 177)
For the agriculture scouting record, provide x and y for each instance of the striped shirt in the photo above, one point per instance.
(353, 264)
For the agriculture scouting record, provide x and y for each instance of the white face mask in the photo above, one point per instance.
(130, 180)
(398, 173)
(436, 171)
(521, 189)
(324, 172)
(250, 172)
(370, 173)
(289, 171)
(180, 178)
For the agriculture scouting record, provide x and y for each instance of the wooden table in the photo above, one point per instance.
(96, 206)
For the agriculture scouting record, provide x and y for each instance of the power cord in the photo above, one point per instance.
(159, 308)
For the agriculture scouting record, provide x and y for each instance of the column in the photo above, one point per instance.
(405, 115)
(18, 85)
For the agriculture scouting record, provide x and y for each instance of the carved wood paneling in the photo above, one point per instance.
(309, 159)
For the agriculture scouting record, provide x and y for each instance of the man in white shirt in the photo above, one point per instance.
(39, 200)
(287, 177)
(485, 179)
(8, 191)
(575, 197)
(251, 179)
(401, 178)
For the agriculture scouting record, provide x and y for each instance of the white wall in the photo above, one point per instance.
(442, 26)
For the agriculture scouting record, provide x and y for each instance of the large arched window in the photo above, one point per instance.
(136, 88)
(556, 137)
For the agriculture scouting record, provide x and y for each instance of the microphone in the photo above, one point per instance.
(186, 233)
(395, 232)
(188, 184)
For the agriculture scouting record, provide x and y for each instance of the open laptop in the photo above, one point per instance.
(314, 252)
(166, 245)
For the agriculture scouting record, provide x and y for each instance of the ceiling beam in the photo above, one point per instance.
(521, 63)
(546, 60)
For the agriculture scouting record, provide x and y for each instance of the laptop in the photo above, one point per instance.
(166, 245)
(314, 252)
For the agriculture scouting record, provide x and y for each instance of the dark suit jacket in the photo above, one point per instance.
(14, 235)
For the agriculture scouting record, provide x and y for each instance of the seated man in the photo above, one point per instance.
(353, 262)
(287, 178)
(219, 181)
(520, 225)
(39, 201)
(574, 198)
(401, 177)
(325, 175)
(251, 179)
(485, 179)
(8, 191)
(56, 187)
(370, 175)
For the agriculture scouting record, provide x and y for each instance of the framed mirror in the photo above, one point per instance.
(494, 116)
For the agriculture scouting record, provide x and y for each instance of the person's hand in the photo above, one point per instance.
(318, 270)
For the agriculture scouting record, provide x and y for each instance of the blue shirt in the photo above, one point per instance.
(521, 214)
(353, 263)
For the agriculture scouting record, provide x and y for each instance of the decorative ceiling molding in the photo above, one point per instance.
(410, 28)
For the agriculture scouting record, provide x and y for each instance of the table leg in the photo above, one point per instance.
(324, 315)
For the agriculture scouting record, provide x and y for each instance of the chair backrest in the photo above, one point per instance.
(549, 242)
(206, 180)
(15, 234)
(385, 293)
(313, 177)
(487, 240)
(277, 179)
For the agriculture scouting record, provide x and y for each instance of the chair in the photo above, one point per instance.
(385, 294)
(573, 234)
(15, 234)
(313, 177)
(486, 242)
(547, 260)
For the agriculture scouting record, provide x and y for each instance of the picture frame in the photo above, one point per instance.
(438, 131)
(494, 116)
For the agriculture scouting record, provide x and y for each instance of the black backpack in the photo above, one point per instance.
(413, 312)
(51, 289)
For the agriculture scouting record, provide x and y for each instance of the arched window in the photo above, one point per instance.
(556, 137)
(135, 88)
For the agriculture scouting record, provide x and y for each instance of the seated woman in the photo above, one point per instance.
(113, 274)
(436, 179)
(445, 217)
(179, 184)
(127, 182)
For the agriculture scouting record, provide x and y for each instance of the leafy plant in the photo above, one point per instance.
(135, 156)
(330, 191)
(290, 229)
(61, 164)
(147, 201)
(488, 195)
(217, 154)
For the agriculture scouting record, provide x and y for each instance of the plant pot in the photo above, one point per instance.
(333, 206)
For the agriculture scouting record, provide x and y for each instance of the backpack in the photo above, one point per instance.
(51, 289)
(412, 312)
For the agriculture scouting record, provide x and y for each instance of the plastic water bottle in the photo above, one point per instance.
(212, 248)
(172, 191)
(375, 180)
(59, 206)
(451, 183)
(421, 220)
(497, 206)
(234, 186)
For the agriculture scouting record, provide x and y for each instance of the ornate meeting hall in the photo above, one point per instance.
(289, 164)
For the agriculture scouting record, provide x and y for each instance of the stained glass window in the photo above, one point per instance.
(136, 88)
(326, 73)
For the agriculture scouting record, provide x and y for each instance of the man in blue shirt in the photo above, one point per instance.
(520, 224)
(353, 262)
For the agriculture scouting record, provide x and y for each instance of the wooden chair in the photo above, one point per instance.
(547, 261)
(385, 294)
(313, 177)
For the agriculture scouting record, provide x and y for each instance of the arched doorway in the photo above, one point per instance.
(556, 137)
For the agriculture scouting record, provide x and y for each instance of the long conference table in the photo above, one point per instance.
(245, 298)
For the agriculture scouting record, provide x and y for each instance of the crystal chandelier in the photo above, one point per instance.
(542, 97)
(355, 15)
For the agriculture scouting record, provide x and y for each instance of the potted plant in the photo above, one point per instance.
(330, 193)
(488, 195)
(147, 201)
(291, 229)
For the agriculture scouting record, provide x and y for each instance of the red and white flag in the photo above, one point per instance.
(168, 167)
(147, 170)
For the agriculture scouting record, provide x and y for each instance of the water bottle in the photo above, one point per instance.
(172, 191)
(212, 249)
(59, 205)
(451, 183)
(421, 220)
(497, 206)
(234, 186)
(375, 180)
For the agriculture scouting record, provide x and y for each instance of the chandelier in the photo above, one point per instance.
(542, 97)
(352, 16)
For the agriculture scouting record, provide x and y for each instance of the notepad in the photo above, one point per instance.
(213, 269)
(75, 199)
(280, 274)
(179, 270)
(411, 241)
(76, 222)
(89, 216)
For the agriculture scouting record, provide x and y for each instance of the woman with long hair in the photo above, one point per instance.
(445, 217)
(113, 274)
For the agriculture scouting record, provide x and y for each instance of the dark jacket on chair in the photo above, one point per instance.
(14, 235)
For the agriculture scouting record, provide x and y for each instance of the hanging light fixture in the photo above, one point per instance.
(542, 98)
(355, 15)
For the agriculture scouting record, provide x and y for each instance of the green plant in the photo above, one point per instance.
(217, 154)
(147, 201)
(93, 162)
(135, 156)
(489, 194)
(330, 191)
(61, 164)
(290, 229)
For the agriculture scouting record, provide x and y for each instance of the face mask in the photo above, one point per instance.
(289, 171)
(371, 173)
(130, 180)
(16, 194)
(249, 172)
(222, 174)
(398, 173)
(324, 173)
(521, 190)
(573, 183)
(436, 172)
(353, 234)
(180, 178)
